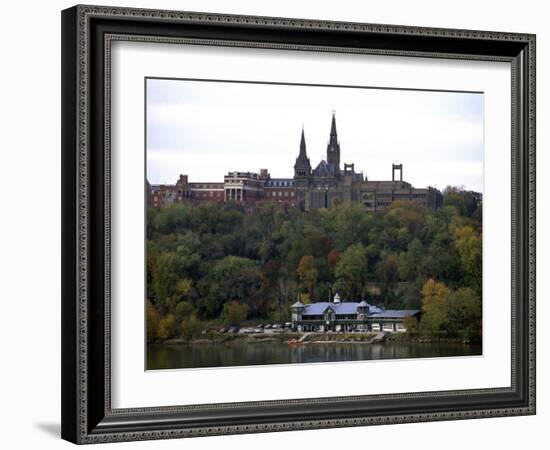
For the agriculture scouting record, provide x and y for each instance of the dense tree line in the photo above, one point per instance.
(224, 262)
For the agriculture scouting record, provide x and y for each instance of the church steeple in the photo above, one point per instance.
(303, 145)
(333, 147)
(333, 125)
(302, 167)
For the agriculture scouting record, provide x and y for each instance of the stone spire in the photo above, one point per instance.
(333, 125)
(333, 147)
(302, 167)
(303, 145)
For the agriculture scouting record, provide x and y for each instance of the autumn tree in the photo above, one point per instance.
(167, 327)
(308, 274)
(152, 324)
(234, 313)
(434, 298)
(410, 215)
(457, 312)
(333, 258)
(205, 255)
(182, 295)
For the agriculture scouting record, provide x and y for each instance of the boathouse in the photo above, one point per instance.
(349, 317)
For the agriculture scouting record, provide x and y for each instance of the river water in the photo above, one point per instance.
(161, 356)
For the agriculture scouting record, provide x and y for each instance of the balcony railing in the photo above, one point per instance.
(331, 322)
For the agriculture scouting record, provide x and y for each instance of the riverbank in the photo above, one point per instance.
(428, 338)
(324, 338)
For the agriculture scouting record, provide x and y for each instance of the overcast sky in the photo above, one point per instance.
(205, 129)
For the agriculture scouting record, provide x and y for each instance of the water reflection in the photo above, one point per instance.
(247, 354)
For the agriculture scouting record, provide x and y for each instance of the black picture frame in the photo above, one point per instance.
(87, 416)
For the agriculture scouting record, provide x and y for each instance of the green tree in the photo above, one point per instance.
(464, 201)
(191, 327)
(411, 296)
(387, 271)
(469, 246)
(464, 312)
(234, 313)
(351, 272)
(164, 278)
(183, 310)
(231, 278)
(172, 218)
(201, 257)
(410, 261)
(346, 223)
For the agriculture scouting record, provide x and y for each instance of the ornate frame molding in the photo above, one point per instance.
(85, 208)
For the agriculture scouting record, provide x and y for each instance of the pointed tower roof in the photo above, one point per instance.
(333, 125)
(302, 161)
(333, 147)
(303, 144)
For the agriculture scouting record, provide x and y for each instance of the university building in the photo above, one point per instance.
(349, 317)
(310, 188)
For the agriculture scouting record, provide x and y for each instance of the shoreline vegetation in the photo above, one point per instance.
(366, 338)
(211, 265)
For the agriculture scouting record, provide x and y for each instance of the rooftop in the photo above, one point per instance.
(396, 313)
(317, 309)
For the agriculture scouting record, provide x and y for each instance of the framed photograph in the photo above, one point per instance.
(279, 224)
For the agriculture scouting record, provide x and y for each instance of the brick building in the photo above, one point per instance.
(321, 187)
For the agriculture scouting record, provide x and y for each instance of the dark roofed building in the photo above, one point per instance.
(324, 170)
(348, 316)
(328, 184)
(309, 189)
